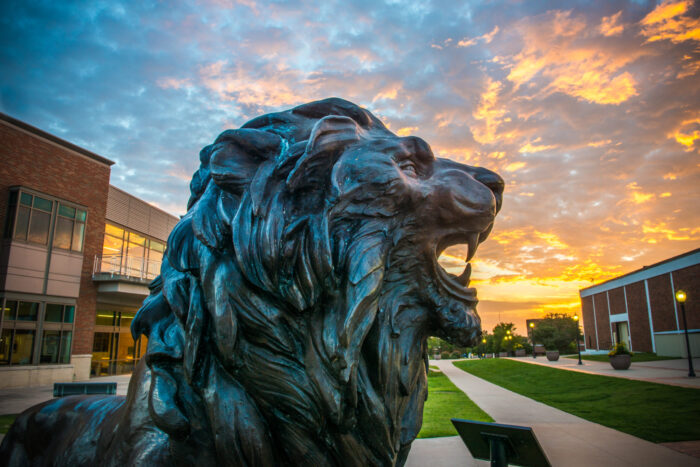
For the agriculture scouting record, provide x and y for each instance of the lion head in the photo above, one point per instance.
(290, 320)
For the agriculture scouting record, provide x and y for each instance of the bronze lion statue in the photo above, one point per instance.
(289, 323)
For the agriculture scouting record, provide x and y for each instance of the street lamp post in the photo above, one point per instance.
(578, 346)
(532, 333)
(680, 298)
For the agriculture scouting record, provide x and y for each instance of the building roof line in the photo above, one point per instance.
(644, 272)
(54, 139)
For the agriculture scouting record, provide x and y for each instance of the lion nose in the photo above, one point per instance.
(491, 180)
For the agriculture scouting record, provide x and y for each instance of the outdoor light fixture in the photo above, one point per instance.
(680, 298)
(578, 346)
(532, 327)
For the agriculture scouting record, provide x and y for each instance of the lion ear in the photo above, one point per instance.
(237, 154)
(328, 138)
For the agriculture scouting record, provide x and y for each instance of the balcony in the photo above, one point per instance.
(123, 279)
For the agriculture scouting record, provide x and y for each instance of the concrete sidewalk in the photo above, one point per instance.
(566, 439)
(17, 400)
(673, 372)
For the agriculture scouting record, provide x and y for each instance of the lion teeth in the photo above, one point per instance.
(472, 243)
(464, 277)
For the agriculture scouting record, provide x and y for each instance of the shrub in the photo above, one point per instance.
(619, 349)
(445, 355)
(455, 354)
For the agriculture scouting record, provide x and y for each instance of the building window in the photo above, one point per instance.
(130, 254)
(30, 217)
(70, 228)
(35, 333)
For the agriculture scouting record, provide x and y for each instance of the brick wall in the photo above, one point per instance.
(638, 317)
(588, 322)
(661, 299)
(33, 162)
(617, 301)
(603, 320)
(688, 279)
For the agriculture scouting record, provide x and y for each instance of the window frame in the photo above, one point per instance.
(13, 210)
(39, 327)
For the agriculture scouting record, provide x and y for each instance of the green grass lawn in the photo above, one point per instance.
(5, 422)
(444, 402)
(655, 412)
(637, 357)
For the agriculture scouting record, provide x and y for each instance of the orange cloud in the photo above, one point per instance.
(407, 130)
(490, 112)
(609, 25)
(588, 73)
(667, 22)
(513, 166)
(237, 84)
(687, 133)
(486, 38)
(529, 147)
(662, 231)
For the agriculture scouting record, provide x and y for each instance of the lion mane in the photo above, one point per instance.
(289, 323)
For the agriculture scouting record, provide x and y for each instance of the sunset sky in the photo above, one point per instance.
(589, 110)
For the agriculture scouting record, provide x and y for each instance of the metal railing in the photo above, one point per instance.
(124, 266)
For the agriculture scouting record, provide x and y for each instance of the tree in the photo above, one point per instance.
(557, 331)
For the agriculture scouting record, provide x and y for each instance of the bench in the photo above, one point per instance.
(70, 389)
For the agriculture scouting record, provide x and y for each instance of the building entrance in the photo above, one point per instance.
(621, 333)
(114, 351)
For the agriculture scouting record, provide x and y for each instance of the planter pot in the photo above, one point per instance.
(552, 355)
(520, 353)
(502, 354)
(621, 362)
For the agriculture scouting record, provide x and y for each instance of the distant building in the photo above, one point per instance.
(76, 257)
(640, 310)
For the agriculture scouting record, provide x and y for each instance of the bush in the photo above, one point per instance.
(445, 355)
(619, 349)
(455, 354)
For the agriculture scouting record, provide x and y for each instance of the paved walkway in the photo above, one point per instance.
(673, 372)
(566, 439)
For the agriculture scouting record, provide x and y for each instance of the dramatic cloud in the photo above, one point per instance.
(589, 110)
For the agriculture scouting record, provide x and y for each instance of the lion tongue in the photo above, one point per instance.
(464, 277)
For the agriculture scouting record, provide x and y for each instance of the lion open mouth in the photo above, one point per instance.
(458, 286)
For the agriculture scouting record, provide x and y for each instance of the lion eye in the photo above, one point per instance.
(408, 167)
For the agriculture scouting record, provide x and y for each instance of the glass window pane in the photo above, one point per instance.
(136, 245)
(22, 223)
(157, 246)
(26, 199)
(101, 350)
(63, 233)
(66, 337)
(28, 311)
(23, 347)
(68, 316)
(39, 227)
(154, 261)
(112, 246)
(105, 318)
(114, 231)
(10, 311)
(43, 204)
(126, 320)
(49, 347)
(81, 215)
(66, 211)
(53, 312)
(5, 345)
(78, 233)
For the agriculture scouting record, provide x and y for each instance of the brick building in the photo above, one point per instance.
(75, 258)
(639, 308)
